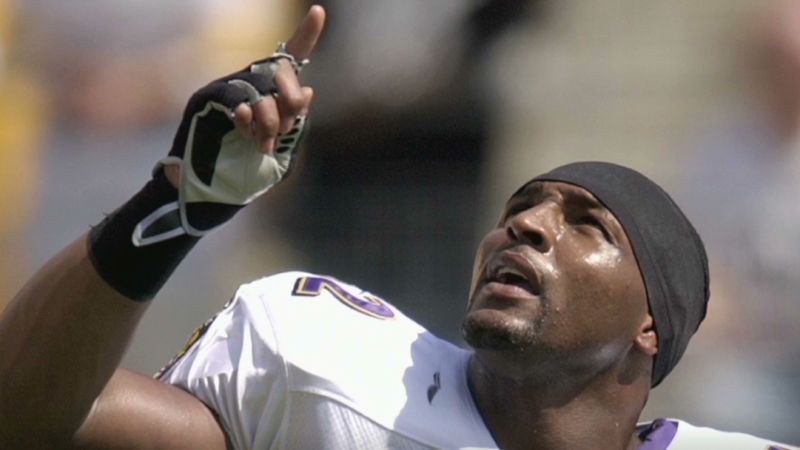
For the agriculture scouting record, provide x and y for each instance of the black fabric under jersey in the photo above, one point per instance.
(669, 251)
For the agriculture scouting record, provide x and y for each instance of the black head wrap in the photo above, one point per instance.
(669, 252)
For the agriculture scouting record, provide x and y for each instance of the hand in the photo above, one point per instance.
(275, 114)
(238, 137)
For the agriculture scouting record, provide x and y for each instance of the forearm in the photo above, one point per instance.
(61, 339)
(64, 334)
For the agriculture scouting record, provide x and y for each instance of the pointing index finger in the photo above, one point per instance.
(306, 35)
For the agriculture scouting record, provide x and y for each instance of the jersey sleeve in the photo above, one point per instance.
(233, 365)
(691, 437)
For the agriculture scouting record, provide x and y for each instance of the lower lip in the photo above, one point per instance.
(510, 291)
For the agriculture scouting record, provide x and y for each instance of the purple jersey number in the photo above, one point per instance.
(312, 286)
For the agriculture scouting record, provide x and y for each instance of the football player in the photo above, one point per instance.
(584, 297)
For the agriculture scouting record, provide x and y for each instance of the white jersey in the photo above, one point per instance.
(303, 361)
(674, 434)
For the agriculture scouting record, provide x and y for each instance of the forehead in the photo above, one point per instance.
(536, 190)
(573, 198)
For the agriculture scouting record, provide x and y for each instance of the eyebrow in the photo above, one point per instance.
(583, 200)
(612, 224)
(572, 196)
(532, 188)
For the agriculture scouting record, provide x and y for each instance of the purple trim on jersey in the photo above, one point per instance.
(658, 434)
(312, 286)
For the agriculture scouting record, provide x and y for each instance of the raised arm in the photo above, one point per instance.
(63, 335)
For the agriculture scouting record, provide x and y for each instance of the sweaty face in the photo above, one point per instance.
(556, 276)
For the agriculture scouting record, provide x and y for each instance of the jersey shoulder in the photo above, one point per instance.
(306, 343)
(676, 434)
(285, 291)
(317, 315)
(294, 317)
(349, 345)
(322, 325)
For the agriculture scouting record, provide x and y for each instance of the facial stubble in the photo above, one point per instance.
(503, 333)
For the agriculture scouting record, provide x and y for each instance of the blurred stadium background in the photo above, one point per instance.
(427, 115)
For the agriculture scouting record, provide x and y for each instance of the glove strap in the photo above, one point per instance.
(136, 248)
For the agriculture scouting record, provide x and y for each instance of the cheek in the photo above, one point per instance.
(592, 273)
(603, 267)
(612, 272)
(602, 290)
(606, 256)
(625, 286)
(491, 242)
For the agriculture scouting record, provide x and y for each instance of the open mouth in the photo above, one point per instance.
(514, 270)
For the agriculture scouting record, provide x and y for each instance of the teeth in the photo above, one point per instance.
(505, 272)
(509, 271)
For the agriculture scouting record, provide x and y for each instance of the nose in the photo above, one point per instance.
(535, 226)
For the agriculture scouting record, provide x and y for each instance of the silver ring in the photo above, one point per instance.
(282, 53)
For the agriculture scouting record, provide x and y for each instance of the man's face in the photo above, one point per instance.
(557, 276)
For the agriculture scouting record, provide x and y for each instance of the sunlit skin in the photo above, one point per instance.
(559, 321)
(62, 337)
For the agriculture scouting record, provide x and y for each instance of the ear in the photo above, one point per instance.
(647, 340)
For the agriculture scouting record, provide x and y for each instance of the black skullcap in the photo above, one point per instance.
(669, 251)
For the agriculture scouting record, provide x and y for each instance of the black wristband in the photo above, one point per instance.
(137, 272)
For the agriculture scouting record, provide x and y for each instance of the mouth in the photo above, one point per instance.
(513, 270)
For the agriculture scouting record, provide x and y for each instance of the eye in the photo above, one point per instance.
(594, 222)
(589, 220)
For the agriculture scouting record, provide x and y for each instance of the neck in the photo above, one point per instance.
(547, 411)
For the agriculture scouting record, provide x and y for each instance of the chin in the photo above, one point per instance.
(493, 330)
